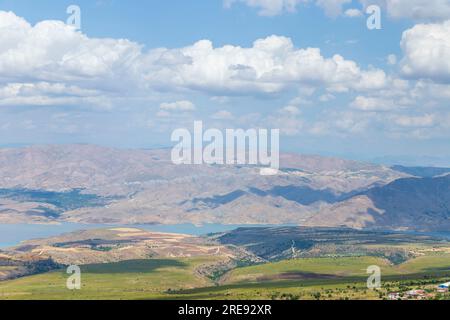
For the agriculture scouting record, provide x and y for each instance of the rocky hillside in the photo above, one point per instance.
(113, 245)
(91, 184)
(408, 204)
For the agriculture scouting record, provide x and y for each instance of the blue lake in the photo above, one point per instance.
(13, 234)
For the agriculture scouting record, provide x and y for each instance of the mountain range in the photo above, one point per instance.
(92, 184)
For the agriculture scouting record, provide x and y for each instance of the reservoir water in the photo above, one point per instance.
(13, 234)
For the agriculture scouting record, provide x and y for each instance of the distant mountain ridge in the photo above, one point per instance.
(408, 203)
(422, 172)
(143, 186)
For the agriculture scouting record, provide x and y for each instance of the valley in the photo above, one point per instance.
(309, 232)
(246, 263)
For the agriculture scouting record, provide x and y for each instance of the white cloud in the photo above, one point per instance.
(342, 123)
(271, 65)
(53, 51)
(222, 115)
(183, 105)
(47, 94)
(326, 97)
(332, 8)
(221, 100)
(353, 13)
(392, 59)
(175, 109)
(289, 125)
(396, 96)
(50, 63)
(393, 125)
(104, 70)
(163, 114)
(372, 104)
(276, 7)
(301, 100)
(404, 109)
(416, 9)
(426, 49)
(349, 122)
(431, 91)
(419, 10)
(269, 7)
(290, 110)
(427, 120)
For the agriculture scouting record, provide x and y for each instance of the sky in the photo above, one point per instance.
(137, 70)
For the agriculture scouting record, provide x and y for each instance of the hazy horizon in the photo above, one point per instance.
(333, 86)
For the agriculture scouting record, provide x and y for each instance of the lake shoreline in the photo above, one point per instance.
(13, 234)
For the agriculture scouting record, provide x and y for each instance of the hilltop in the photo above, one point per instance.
(92, 184)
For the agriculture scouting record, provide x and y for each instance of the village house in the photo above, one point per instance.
(417, 294)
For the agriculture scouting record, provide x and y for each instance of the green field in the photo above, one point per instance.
(326, 278)
(340, 267)
(312, 278)
(139, 279)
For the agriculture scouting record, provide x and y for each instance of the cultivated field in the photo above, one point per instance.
(307, 278)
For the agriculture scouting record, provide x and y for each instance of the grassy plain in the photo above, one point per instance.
(309, 278)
